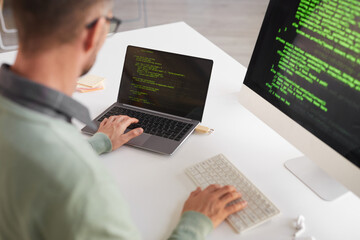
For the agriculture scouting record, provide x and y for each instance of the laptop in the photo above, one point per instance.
(166, 92)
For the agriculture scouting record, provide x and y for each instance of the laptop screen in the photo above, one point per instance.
(165, 82)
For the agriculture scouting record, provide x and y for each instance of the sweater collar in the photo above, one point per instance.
(41, 98)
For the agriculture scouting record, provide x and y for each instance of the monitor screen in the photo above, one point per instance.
(165, 82)
(307, 64)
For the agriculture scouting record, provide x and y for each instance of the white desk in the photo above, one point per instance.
(156, 186)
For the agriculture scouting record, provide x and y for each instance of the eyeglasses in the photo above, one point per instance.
(114, 24)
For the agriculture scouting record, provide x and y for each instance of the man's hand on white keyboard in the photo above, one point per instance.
(213, 202)
(115, 126)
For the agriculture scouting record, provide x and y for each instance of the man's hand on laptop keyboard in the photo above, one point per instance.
(214, 201)
(115, 126)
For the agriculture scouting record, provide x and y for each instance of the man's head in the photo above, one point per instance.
(48, 24)
(58, 20)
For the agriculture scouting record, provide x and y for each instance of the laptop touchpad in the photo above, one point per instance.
(140, 140)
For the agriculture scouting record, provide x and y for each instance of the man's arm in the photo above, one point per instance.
(101, 143)
(192, 225)
(205, 210)
(110, 135)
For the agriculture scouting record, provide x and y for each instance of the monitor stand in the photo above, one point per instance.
(315, 178)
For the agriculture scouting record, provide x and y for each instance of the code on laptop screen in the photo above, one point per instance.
(165, 82)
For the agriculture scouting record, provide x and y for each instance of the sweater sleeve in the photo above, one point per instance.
(101, 143)
(192, 225)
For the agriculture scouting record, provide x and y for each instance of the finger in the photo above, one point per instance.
(236, 207)
(127, 121)
(131, 134)
(118, 118)
(225, 190)
(229, 197)
(196, 191)
(113, 118)
(104, 122)
(212, 187)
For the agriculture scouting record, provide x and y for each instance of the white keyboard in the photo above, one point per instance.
(218, 170)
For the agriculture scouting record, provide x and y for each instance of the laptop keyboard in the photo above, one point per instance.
(154, 125)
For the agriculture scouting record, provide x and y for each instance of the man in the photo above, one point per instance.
(52, 185)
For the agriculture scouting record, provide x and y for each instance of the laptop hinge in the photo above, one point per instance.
(158, 113)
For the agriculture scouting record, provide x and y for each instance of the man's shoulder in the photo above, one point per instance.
(50, 146)
(25, 124)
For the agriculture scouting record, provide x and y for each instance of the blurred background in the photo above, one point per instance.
(233, 25)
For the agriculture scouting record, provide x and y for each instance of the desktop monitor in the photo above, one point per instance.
(303, 80)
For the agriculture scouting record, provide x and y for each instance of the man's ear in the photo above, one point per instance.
(93, 35)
